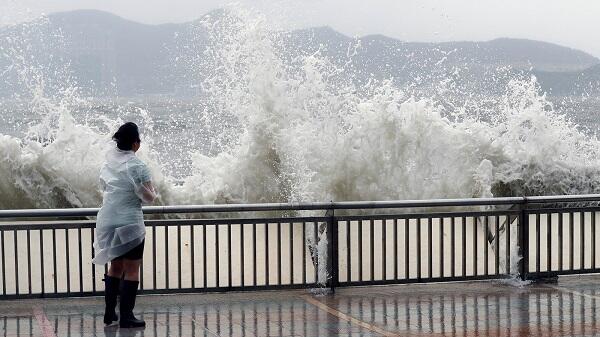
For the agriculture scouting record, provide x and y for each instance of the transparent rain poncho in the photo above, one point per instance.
(125, 182)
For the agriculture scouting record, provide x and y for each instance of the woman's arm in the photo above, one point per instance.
(142, 183)
(147, 192)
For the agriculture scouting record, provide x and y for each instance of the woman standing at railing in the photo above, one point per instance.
(120, 232)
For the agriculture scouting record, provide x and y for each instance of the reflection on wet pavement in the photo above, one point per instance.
(457, 309)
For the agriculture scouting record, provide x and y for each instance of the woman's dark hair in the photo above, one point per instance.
(127, 134)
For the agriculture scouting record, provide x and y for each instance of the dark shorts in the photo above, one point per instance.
(136, 253)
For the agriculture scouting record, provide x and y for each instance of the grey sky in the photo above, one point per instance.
(573, 23)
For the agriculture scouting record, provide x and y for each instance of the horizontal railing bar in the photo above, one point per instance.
(424, 215)
(166, 291)
(334, 205)
(230, 221)
(38, 225)
(424, 280)
(75, 224)
(232, 288)
(563, 210)
(532, 275)
(562, 198)
(425, 203)
(74, 212)
(48, 213)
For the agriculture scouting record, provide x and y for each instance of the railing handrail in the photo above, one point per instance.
(77, 212)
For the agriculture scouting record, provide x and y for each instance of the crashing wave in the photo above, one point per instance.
(302, 130)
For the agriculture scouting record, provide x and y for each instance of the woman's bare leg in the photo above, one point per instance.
(131, 268)
(116, 269)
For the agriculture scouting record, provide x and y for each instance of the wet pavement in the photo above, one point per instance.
(567, 308)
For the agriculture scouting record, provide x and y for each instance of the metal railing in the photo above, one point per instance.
(47, 253)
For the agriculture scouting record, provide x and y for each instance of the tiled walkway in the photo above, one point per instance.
(458, 309)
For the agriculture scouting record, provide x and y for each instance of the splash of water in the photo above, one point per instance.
(302, 130)
(57, 161)
(303, 133)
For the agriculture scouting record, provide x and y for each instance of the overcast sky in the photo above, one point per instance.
(573, 23)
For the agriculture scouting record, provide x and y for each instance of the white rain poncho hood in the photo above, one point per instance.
(120, 223)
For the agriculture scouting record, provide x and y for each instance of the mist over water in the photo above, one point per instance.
(270, 127)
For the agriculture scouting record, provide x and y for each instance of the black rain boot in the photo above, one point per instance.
(111, 291)
(128, 294)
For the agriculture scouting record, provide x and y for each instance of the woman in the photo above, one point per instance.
(126, 183)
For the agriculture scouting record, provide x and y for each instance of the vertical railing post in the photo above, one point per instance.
(332, 251)
(523, 240)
